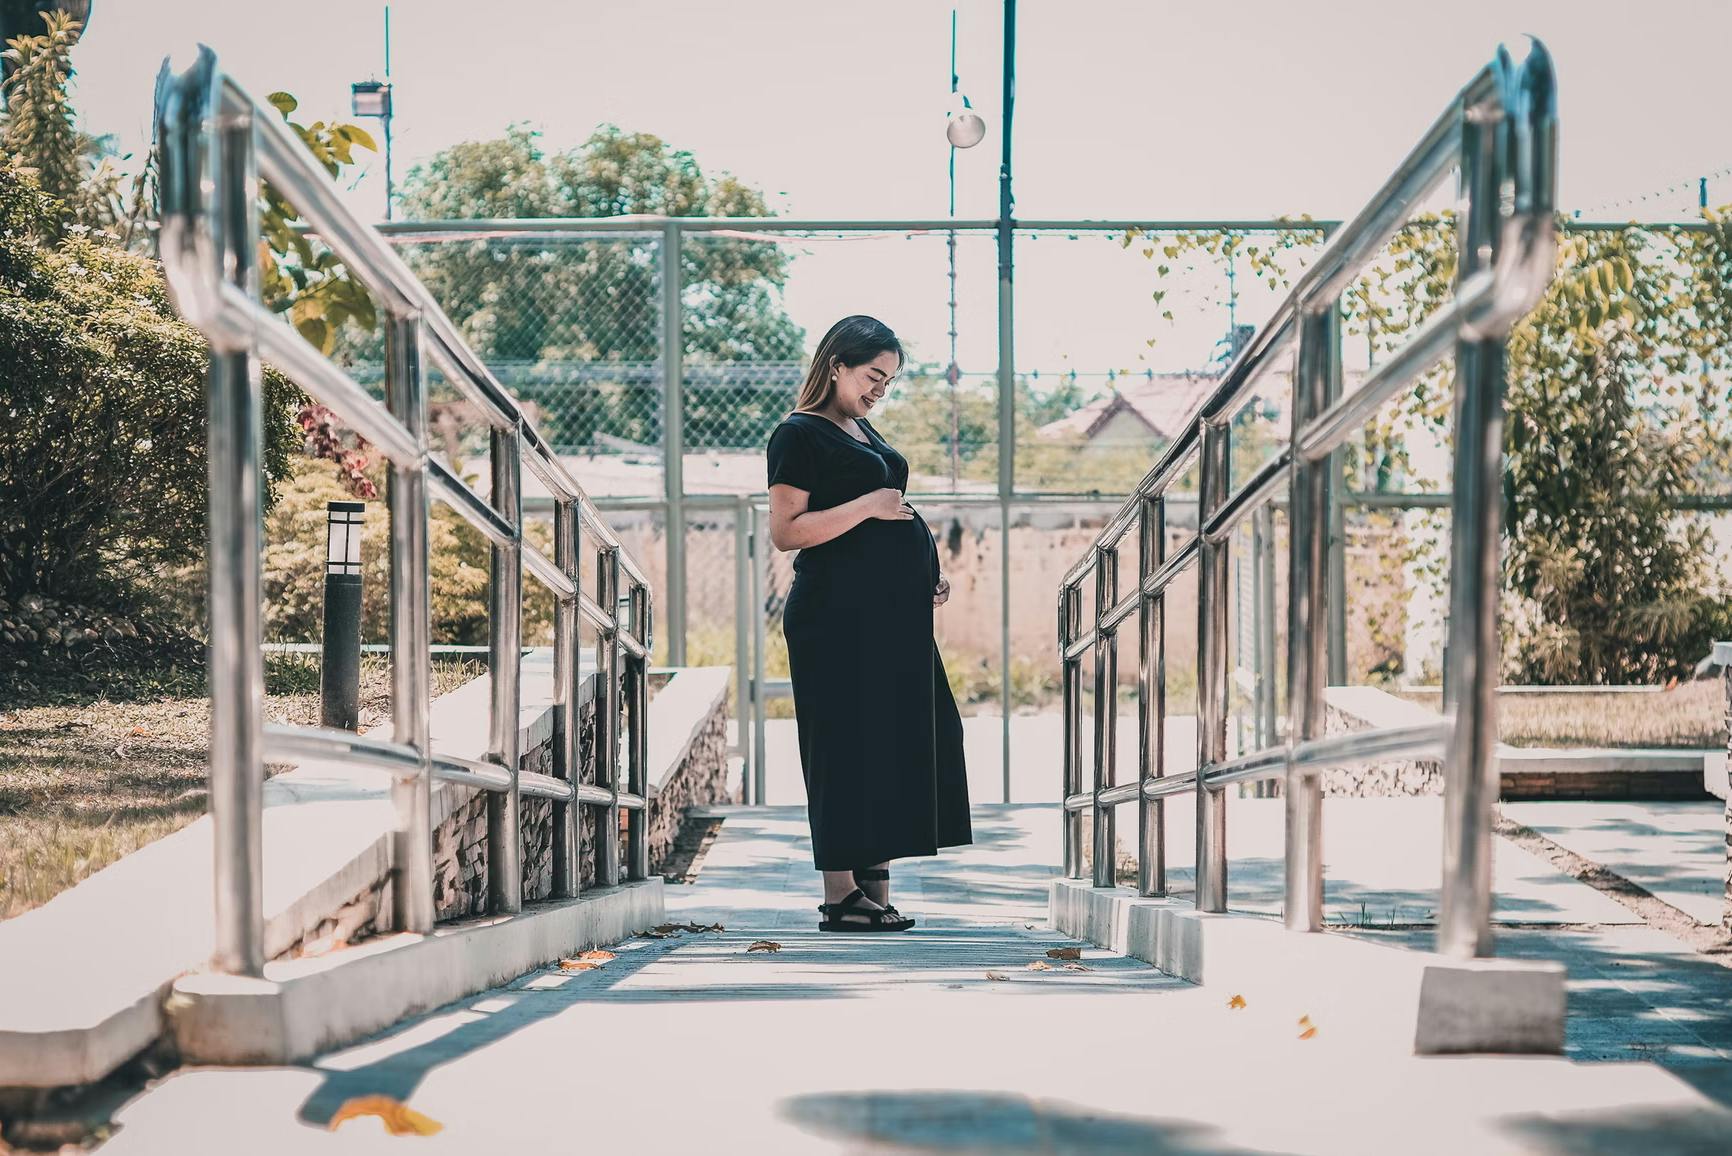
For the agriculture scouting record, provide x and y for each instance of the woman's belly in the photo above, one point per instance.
(877, 564)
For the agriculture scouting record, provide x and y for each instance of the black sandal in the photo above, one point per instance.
(880, 919)
(879, 875)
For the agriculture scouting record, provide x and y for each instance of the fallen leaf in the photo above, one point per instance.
(1029, 926)
(1310, 1028)
(140, 732)
(1064, 953)
(658, 935)
(1040, 965)
(578, 965)
(1236, 1002)
(765, 945)
(700, 928)
(399, 1118)
(667, 928)
(598, 955)
(996, 976)
(1077, 967)
(1307, 1033)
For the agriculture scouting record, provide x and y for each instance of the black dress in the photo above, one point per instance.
(880, 736)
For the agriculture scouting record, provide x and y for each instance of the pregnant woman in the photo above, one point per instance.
(880, 737)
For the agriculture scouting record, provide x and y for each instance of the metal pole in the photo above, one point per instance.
(390, 108)
(1106, 650)
(1151, 700)
(674, 443)
(608, 656)
(1265, 620)
(1471, 769)
(1308, 605)
(1006, 377)
(567, 817)
(637, 737)
(504, 659)
(950, 373)
(759, 561)
(411, 634)
(1069, 626)
(1212, 675)
(744, 683)
(237, 676)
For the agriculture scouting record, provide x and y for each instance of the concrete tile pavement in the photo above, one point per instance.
(861, 1044)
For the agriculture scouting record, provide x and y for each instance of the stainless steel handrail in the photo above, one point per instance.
(1500, 133)
(216, 142)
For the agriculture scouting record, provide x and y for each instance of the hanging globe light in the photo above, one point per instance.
(964, 127)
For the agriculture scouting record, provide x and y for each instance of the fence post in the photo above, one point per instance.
(504, 659)
(674, 439)
(236, 673)
(411, 633)
(567, 661)
(1211, 671)
(1471, 769)
(1151, 699)
(759, 559)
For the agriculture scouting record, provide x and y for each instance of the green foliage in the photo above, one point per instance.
(41, 131)
(102, 475)
(297, 275)
(1617, 407)
(458, 557)
(537, 309)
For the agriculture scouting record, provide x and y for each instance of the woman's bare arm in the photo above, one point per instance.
(794, 527)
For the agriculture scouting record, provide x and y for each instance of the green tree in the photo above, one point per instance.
(41, 127)
(572, 323)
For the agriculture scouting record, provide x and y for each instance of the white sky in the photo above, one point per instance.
(1123, 109)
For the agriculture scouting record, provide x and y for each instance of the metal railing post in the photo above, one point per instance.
(1470, 697)
(1106, 656)
(1069, 626)
(236, 676)
(504, 660)
(567, 661)
(760, 559)
(674, 438)
(637, 738)
(1151, 700)
(1308, 618)
(608, 657)
(744, 683)
(411, 634)
(1212, 610)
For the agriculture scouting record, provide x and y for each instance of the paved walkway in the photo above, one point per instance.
(856, 1044)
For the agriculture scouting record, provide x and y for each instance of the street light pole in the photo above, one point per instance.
(952, 374)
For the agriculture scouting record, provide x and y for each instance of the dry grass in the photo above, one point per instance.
(1692, 714)
(81, 786)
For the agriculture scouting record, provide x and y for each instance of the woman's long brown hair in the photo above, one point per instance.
(852, 341)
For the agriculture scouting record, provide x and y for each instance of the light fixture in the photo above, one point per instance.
(964, 127)
(343, 524)
(370, 98)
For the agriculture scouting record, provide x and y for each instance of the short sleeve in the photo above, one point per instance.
(790, 459)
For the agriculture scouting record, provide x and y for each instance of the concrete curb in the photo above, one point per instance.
(1410, 1002)
(303, 1007)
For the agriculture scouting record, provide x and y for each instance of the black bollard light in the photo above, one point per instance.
(340, 661)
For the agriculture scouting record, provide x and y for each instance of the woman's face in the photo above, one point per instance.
(860, 388)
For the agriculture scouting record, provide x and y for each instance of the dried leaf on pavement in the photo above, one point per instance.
(1310, 1029)
(1236, 1002)
(666, 928)
(1064, 953)
(995, 975)
(765, 945)
(597, 954)
(399, 1118)
(1040, 965)
(1077, 967)
(578, 965)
